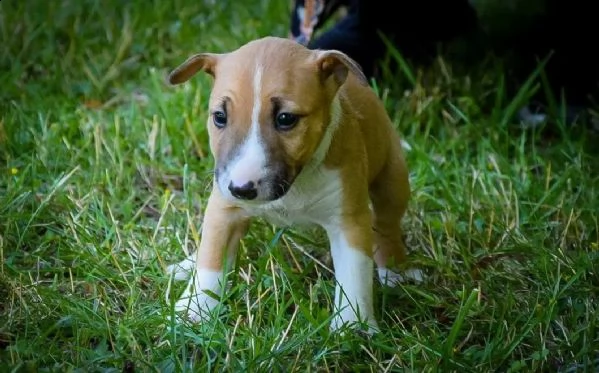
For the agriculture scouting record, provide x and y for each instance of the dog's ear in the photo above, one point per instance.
(202, 61)
(337, 64)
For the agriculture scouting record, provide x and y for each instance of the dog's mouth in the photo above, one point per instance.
(280, 189)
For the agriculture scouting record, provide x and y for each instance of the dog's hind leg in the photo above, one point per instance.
(389, 194)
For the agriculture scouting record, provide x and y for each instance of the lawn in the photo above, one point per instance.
(105, 171)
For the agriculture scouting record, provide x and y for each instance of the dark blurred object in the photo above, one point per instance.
(567, 30)
(564, 29)
(414, 27)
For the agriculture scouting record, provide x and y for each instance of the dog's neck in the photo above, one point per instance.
(325, 143)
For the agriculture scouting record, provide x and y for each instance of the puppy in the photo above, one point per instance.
(299, 137)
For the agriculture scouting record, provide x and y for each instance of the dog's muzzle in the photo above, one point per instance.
(273, 185)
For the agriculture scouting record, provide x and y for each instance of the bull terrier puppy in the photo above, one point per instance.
(299, 137)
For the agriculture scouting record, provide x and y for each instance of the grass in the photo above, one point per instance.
(105, 171)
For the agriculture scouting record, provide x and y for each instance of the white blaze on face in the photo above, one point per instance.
(250, 162)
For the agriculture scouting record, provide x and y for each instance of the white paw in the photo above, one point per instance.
(389, 278)
(356, 314)
(196, 307)
(182, 270)
(201, 296)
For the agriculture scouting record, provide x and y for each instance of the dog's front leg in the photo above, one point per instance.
(222, 229)
(351, 249)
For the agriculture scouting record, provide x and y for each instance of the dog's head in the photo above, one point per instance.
(271, 104)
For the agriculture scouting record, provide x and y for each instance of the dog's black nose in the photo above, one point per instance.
(246, 191)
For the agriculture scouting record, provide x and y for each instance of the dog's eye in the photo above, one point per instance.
(220, 119)
(285, 121)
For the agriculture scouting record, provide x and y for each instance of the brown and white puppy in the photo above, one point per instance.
(299, 137)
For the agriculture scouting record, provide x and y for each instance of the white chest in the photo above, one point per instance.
(314, 198)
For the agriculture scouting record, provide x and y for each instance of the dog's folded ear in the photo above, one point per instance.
(202, 61)
(337, 64)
